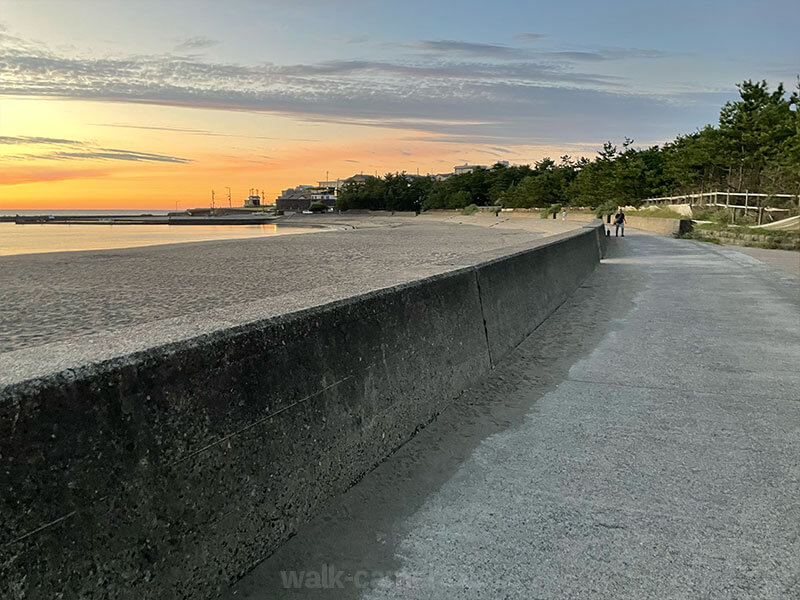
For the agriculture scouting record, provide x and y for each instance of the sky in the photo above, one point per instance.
(154, 104)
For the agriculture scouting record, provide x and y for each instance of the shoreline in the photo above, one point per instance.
(71, 238)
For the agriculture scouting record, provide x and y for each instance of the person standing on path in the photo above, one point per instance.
(619, 221)
(564, 215)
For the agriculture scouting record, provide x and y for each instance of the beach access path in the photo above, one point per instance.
(641, 443)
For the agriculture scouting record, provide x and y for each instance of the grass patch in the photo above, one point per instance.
(658, 213)
(778, 234)
(703, 238)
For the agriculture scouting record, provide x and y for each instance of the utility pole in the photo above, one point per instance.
(230, 205)
(212, 199)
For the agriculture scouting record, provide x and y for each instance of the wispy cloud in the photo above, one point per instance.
(469, 49)
(196, 43)
(204, 132)
(530, 37)
(500, 93)
(9, 140)
(82, 150)
(117, 154)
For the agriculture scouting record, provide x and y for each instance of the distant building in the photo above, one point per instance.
(252, 200)
(324, 195)
(331, 183)
(465, 168)
(359, 179)
(300, 198)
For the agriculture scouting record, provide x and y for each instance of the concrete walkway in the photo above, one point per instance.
(785, 260)
(644, 442)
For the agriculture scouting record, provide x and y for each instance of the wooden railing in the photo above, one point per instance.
(728, 199)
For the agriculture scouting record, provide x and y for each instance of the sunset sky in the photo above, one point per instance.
(152, 104)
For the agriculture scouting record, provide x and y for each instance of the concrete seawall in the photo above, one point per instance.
(662, 226)
(171, 471)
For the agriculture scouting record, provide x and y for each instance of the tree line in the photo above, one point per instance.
(755, 146)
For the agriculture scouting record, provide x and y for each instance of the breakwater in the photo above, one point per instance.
(168, 472)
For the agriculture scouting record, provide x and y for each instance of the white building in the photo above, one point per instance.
(466, 168)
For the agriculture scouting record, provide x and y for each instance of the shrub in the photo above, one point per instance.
(553, 210)
(606, 209)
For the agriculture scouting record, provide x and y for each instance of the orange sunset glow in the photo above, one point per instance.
(201, 149)
(194, 152)
(108, 104)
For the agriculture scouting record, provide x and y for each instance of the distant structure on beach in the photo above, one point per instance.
(253, 199)
(301, 197)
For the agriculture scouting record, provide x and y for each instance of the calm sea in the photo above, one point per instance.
(29, 239)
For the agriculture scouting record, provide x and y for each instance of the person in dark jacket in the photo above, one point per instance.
(619, 221)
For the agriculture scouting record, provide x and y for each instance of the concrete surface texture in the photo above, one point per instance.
(641, 443)
(166, 459)
(53, 297)
(787, 261)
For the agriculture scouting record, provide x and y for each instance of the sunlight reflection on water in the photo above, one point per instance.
(28, 239)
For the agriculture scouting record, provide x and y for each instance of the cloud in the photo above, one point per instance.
(37, 140)
(157, 128)
(501, 94)
(530, 37)
(196, 43)
(552, 57)
(116, 154)
(612, 54)
(579, 56)
(82, 150)
(199, 132)
(470, 49)
(499, 149)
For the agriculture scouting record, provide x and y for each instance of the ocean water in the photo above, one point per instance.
(32, 239)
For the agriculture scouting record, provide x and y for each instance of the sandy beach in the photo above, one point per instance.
(57, 296)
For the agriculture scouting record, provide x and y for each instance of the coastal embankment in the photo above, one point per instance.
(164, 459)
(515, 217)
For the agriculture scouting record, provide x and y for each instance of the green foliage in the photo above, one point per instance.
(722, 216)
(394, 191)
(754, 147)
(317, 207)
(554, 209)
(608, 207)
(659, 213)
(469, 210)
